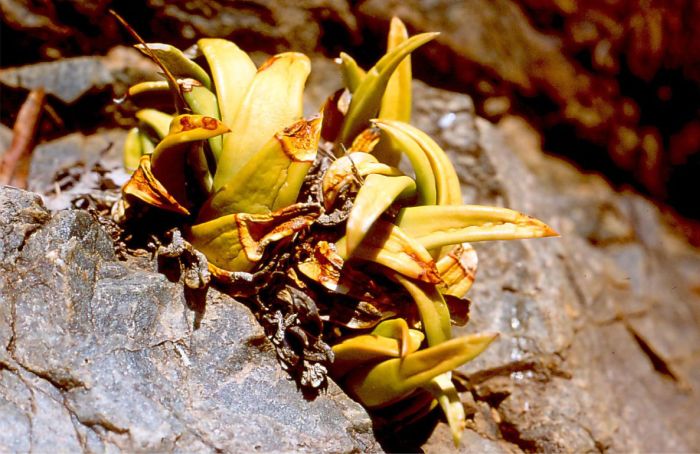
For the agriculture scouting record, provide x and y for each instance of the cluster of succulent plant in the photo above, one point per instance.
(354, 267)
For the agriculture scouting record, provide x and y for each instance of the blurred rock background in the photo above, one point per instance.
(600, 330)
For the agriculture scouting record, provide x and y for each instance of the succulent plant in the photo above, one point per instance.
(353, 265)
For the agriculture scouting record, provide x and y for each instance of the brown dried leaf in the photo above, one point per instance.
(146, 187)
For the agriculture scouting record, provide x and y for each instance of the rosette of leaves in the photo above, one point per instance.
(353, 265)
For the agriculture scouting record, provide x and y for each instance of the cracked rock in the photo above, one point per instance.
(99, 355)
(599, 329)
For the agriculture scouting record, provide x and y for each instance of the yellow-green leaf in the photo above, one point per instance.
(437, 226)
(273, 102)
(376, 195)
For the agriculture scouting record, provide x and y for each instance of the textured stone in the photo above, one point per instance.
(70, 78)
(277, 26)
(599, 328)
(98, 355)
(76, 164)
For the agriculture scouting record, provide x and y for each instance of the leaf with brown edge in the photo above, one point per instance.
(272, 102)
(458, 270)
(387, 245)
(437, 226)
(146, 187)
(273, 176)
(366, 140)
(236, 242)
(327, 268)
(346, 172)
(169, 161)
(323, 266)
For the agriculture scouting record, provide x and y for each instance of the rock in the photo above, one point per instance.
(599, 328)
(305, 26)
(70, 78)
(99, 355)
(77, 165)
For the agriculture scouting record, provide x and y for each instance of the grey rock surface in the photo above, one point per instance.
(277, 26)
(75, 165)
(98, 355)
(600, 329)
(70, 78)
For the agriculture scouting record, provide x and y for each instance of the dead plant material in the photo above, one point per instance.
(14, 166)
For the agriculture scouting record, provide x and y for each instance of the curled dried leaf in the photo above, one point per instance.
(146, 187)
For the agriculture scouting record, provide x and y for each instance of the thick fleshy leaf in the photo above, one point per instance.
(273, 102)
(388, 245)
(232, 70)
(235, 242)
(433, 310)
(397, 328)
(415, 143)
(376, 195)
(145, 187)
(396, 102)
(395, 378)
(347, 171)
(367, 99)
(446, 394)
(158, 121)
(426, 185)
(200, 100)
(147, 146)
(170, 156)
(203, 102)
(436, 226)
(146, 91)
(364, 349)
(352, 74)
(177, 63)
(273, 177)
(132, 150)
